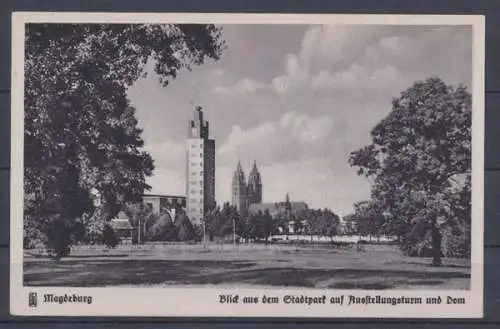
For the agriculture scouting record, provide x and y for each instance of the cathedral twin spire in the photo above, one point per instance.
(254, 187)
(245, 194)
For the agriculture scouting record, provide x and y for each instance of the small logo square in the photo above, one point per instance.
(32, 299)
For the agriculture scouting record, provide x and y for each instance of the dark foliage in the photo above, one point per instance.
(81, 137)
(420, 159)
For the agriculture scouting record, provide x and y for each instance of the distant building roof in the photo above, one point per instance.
(296, 206)
(121, 223)
(275, 208)
(256, 207)
(122, 215)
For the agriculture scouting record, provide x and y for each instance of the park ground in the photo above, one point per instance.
(245, 265)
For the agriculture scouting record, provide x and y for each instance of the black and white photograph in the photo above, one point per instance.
(247, 165)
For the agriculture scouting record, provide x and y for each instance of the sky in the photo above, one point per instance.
(297, 99)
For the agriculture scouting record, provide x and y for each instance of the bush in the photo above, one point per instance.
(109, 238)
(33, 239)
(417, 242)
(161, 228)
(457, 241)
(58, 238)
(186, 231)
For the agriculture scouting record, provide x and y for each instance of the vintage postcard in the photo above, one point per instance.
(247, 165)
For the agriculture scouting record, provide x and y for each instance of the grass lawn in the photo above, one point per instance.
(378, 267)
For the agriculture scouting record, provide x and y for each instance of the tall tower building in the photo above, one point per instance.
(200, 180)
(239, 189)
(254, 189)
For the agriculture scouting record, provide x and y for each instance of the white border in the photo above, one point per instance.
(189, 302)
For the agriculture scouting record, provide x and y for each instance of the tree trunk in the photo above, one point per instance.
(436, 246)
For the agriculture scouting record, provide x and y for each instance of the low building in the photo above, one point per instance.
(159, 204)
(171, 204)
(276, 208)
(285, 208)
(122, 227)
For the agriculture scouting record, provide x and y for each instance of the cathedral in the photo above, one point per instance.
(244, 194)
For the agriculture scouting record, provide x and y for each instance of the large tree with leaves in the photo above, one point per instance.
(225, 221)
(420, 159)
(369, 218)
(316, 222)
(262, 226)
(81, 135)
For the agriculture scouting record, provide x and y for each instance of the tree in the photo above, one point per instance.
(329, 223)
(311, 217)
(109, 237)
(81, 134)
(369, 219)
(350, 226)
(138, 214)
(457, 238)
(186, 230)
(160, 227)
(262, 226)
(225, 222)
(268, 225)
(210, 222)
(321, 222)
(420, 159)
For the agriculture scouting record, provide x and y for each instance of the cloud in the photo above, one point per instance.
(296, 76)
(243, 86)
(300, 154)
(442, 51)
(351, 60)
(338, 46)
(290, 138)
(218, 72)
(360, 82)
(298, 103)
(219, 76)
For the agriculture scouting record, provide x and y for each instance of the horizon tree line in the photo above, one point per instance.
(226, 223)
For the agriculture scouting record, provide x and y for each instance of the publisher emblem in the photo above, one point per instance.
(32, 299)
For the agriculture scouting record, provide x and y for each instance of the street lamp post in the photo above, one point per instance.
(204, 234)
(139, 228)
